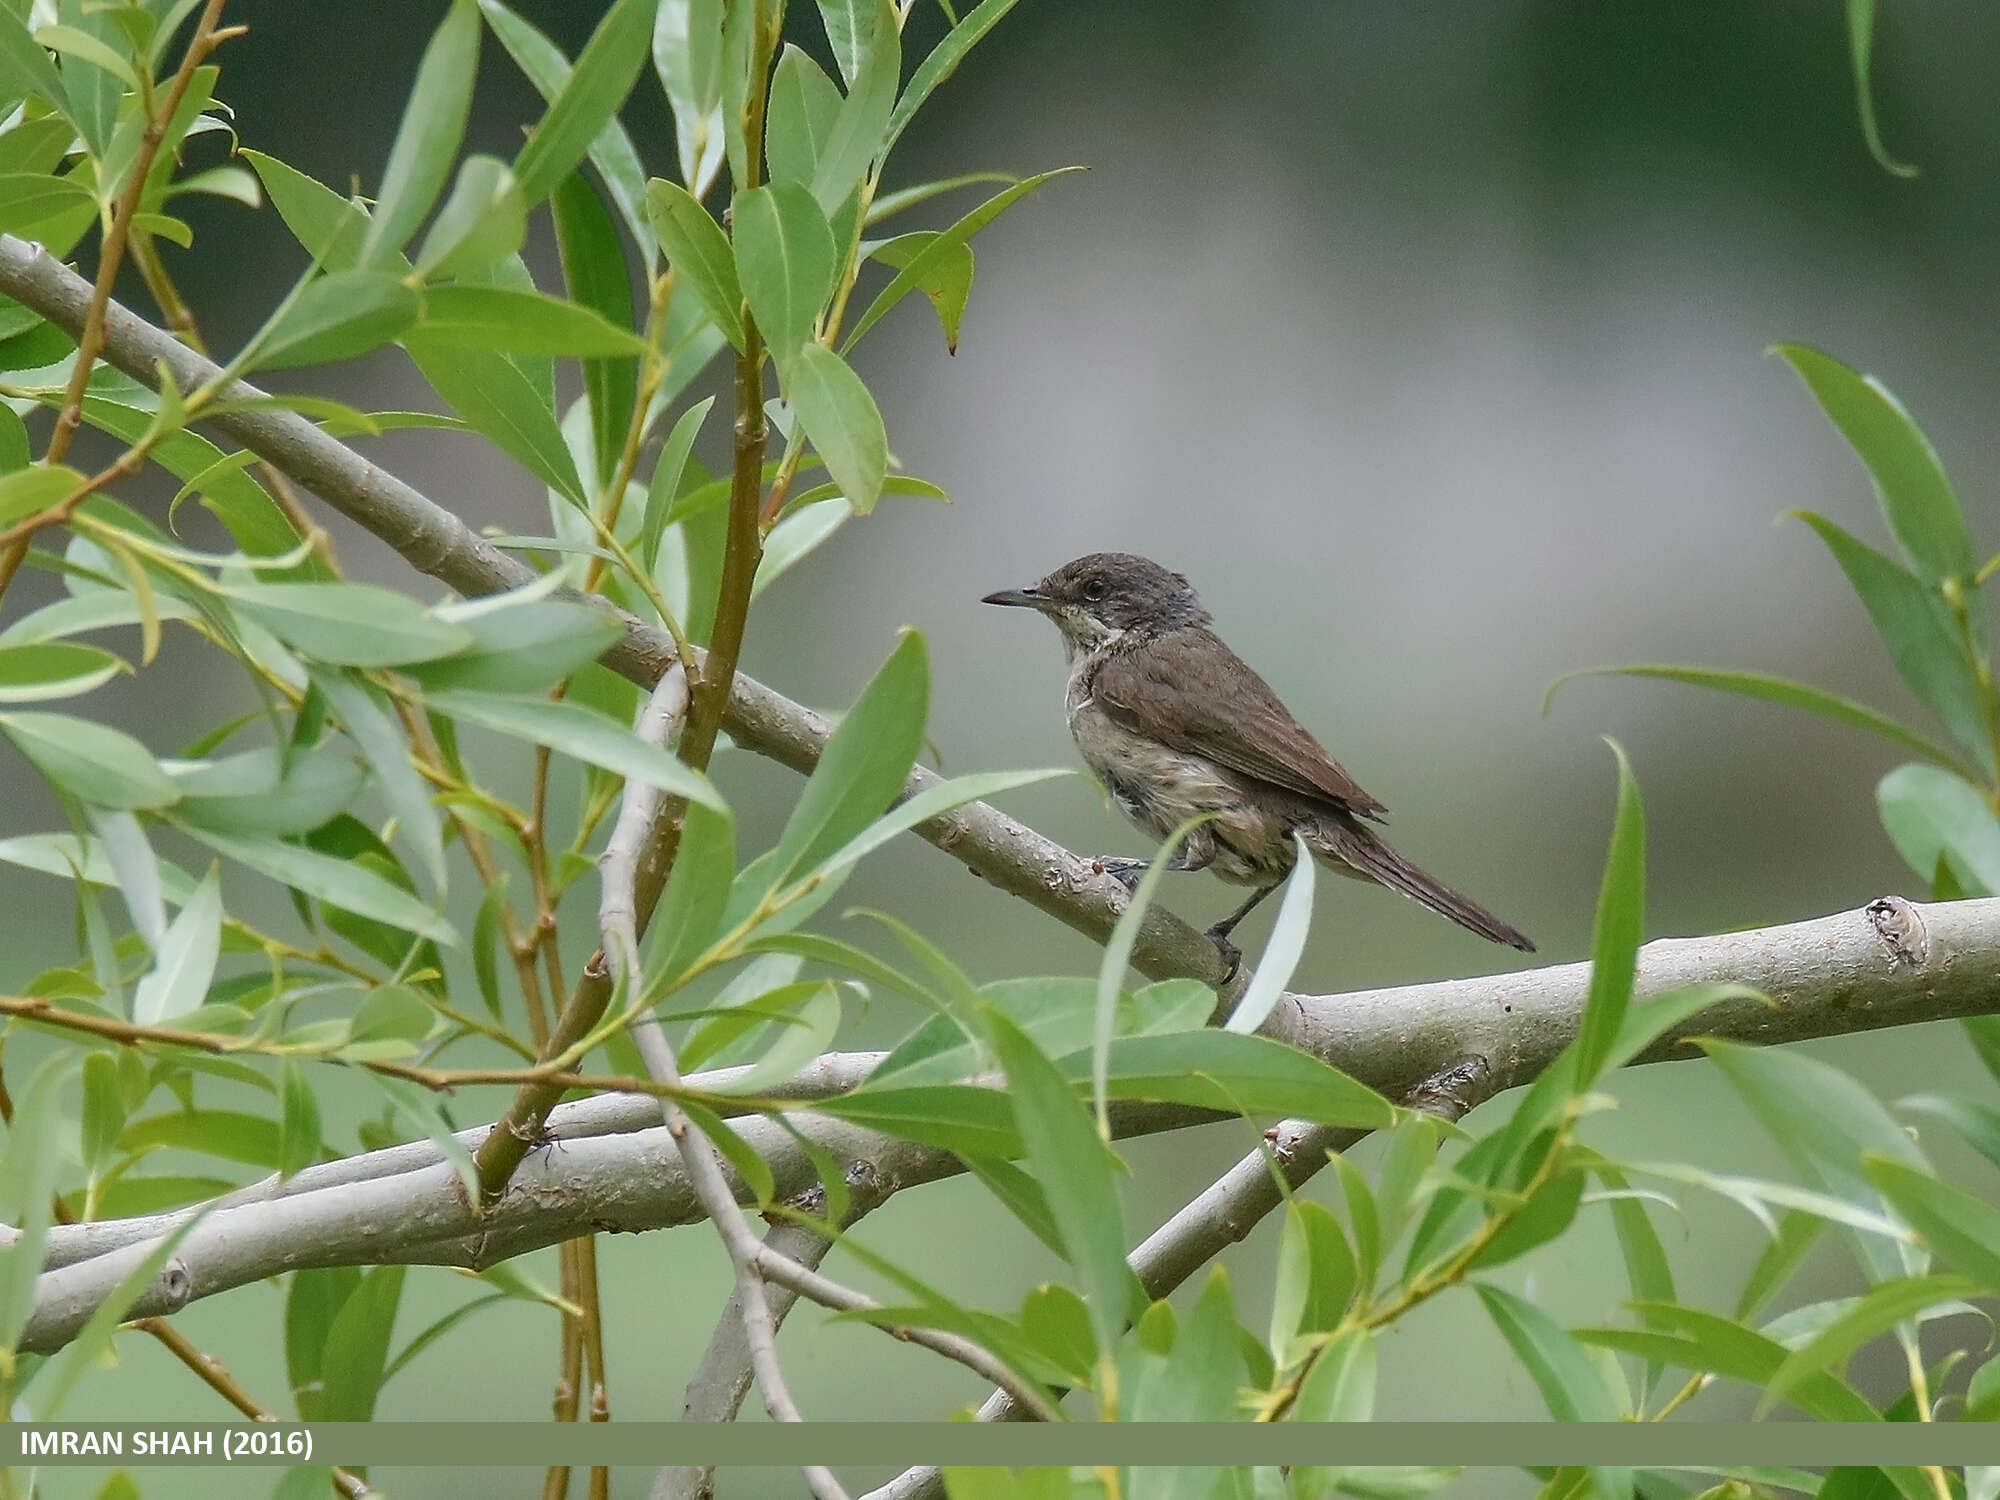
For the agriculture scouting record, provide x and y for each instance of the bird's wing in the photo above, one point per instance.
(1198, 696)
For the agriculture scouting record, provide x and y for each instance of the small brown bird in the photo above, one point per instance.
(1174, 723)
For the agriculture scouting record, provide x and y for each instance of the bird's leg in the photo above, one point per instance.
(1127, 871)
(1219, 933)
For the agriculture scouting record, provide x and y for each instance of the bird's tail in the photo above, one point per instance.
(1344, 842)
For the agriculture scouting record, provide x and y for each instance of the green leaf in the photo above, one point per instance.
(27, 68)
(185, 967)
(483, 220)
(1570, 1385)
(795, 538)
(842, 420)
(368, 724)
(298, 1122)
(1340, 1387)
(37, 487)
(349, 624)
(930, 803)
(330, 227)
(1281, 952)
(1316, 1278)
(524, 648)
(859, 132)
(1646, 1021)
(1978, 1123)
(1965, 1230)
(942, 60)
(785, 258)
(1076, 1170)
(1917, 629)
(392, 1013)
(1226, 1071)
(261, 792)
(339, 317)
(799, 117)
(849, 25)
(1797, 1233)
(103, 1113)
(312, 1302)
(687, 54)
(1861, 46)
(439, 103)
(697, 891)
(99, 765)
(1870, 1315)
(28, 1178)
(866, 762)
(500, 403)
(964, 1119)
(1931, 814)
(36, 672)
(227, 1134)
(666, 482)
(1549, 1211)
(1916, 497)
(597, 276)
(912, 275)
(695, 246)
(812, 1012)
(1647, 1270)
(946, 281)
(605, 72)
(35, 206)
(1798, 695)
(581, 733)
(357, 1348)
(519, 322)
(1619, 928)
(339, 882)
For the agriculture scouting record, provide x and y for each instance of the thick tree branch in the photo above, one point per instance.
(1861, 970)
(435, 542)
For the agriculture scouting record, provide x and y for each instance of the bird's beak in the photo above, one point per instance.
(1021, 598)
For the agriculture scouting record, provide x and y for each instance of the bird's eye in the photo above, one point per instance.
(1094, 590)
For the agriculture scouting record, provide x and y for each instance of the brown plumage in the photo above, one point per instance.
(1175, 723)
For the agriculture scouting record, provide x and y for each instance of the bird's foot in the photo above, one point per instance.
(1125, 871)
(1232, 956)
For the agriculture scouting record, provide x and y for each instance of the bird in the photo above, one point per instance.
(1175, 724)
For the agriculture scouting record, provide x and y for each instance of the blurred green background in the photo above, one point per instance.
(1428, 340)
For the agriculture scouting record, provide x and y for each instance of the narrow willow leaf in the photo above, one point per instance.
(1340, 1387)
(382, 743)
(1076, 1170)
(865, 763)
(947, 282)
(27, 1186)
(843, 422)
(1917, 629)
(1917, 499)
(357, 1348)
(1570, 1384)
(339, 882)
(519, 322)
(330, 227)
(1861, 47)
(1222, 1070)
(433, 124)
(785, 259)
(98, 765)
(1779, 690)
(349, 624)
(186, 959)
(299, 1122)
(500, 403)
(581, 733)
(137, 868)
(604, 74)
(1961, 1228)
(941, 61)
(37, 487)
(859, 132)
(927, 804)
(799, 117)
(695, 246)
(912, 275)
(525, 648)
(37, 672)
(1317, 1275)
(338, 317)
(687, 55)
(1932, 815)
(597, 277)
(666, 482)
(1281, 953)
(796, 537)
(1873, 1313)
(483, 220)
(1620, 925)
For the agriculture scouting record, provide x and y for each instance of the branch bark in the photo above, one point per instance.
(1885, 965)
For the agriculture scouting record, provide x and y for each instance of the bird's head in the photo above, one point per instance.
(1096, 599)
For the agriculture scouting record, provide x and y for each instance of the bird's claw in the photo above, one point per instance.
(1126, 872)
(1232, 956)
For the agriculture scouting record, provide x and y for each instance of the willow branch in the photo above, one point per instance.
(1889, 964)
